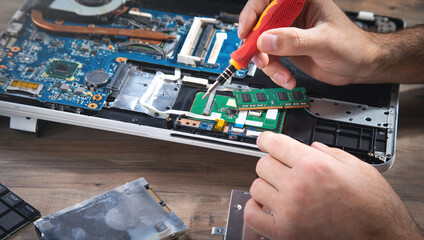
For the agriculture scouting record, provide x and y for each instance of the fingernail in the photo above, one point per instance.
(268, 42)
(261, 136)
(258, 140)
(258, 61)
(290, 84)
(280, 78)
(287, 86)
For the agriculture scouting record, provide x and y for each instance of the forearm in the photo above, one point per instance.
(400, 57)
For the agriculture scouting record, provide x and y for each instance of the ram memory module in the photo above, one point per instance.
(271, 98)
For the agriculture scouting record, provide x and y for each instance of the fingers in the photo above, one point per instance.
(257, 219)
(264, 193)
(271, 65)
(249, 16)
(337, 153)
(271, 170)
(287, 150)
(310, 67)
(292, 41)
(261, 60)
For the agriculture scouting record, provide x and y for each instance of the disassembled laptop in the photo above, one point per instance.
(117, 66)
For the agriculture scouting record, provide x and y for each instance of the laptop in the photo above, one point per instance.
(142, 67)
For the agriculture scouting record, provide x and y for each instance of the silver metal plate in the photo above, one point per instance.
(236, 229)
(350, 112)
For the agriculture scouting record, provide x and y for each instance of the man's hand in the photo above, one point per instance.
(328, 46)
(319, 192)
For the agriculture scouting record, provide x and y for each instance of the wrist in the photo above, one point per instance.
(395, 57)
(376, 64)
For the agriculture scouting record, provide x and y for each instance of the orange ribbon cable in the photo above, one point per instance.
(37, 18)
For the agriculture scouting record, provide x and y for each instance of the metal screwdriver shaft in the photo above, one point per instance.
(226, 74)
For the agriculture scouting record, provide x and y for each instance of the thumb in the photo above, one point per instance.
(290, 42)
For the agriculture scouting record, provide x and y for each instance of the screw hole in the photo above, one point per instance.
(348, 112)
(368, 119)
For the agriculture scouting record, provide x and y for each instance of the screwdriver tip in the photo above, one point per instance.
(205, 96)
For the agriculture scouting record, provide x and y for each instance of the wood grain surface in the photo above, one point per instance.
(68, 164)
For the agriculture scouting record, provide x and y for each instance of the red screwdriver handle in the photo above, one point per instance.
(279, 13)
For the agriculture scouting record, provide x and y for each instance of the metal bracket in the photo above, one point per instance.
(23, 123)
(218, 231)
(350, 113)
(236, 229)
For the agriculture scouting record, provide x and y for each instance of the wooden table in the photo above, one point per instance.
(68, 164)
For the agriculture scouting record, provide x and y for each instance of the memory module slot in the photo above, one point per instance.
(205, 41)
(190, 54)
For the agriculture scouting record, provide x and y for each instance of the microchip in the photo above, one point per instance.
(261, 97)
(62, 69)
(3, 79)
(30, 69)
(65, 87)
(179, 20)
(297, 95)
(80, 90)
(85, 47)
(40, 36)
(3, 53)
(246, 97)
(57, 84)
(231, 111)
(57, 43)
(282, 96)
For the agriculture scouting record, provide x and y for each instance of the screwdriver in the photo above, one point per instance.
(279, 13)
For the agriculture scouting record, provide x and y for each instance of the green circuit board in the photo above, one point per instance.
(225, 108)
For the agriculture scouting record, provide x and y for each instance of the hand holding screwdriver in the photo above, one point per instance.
(279, 13)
